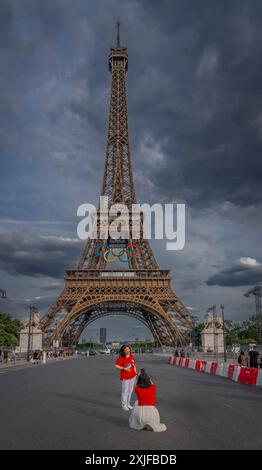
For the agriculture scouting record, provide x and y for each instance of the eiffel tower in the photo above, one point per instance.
(142, 290)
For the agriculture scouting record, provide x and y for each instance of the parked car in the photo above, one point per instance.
(105, 351)
(92, 352)
(85, 353)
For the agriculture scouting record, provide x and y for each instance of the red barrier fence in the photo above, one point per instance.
(200, 365)
(213, 368)
(248, 375)
(172, 360)
(230, 371)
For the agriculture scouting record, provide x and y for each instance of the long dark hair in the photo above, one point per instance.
(122, 350)
(143, 380)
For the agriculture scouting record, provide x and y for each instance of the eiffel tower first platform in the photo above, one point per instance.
(141, 290)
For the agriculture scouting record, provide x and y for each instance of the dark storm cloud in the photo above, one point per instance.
(42, 256)
(244, 272)
(207, 101)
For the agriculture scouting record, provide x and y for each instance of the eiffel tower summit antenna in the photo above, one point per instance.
(118, 34)
(139, 288)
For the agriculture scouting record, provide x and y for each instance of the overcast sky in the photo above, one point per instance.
(195, 120)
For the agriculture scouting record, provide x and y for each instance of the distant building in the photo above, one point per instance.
(36, 335)
(212, 335)
(113, 345)
(103, 336)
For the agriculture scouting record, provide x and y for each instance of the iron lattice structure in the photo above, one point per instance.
(142, 290)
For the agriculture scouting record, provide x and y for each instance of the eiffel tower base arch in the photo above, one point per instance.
(146, 296)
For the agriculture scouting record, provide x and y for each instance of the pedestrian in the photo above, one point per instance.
(14, 357)
(242, 359)
(145, 414)
(35, 357)
(182, 354)
(176, 353)
(127, 365)
(253, 357)
(5, 356)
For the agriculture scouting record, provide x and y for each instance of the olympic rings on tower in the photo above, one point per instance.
(111, 256)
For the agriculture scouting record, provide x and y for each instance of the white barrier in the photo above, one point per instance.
(259, 378)
(171, 360)
(236, 373)
(220, 368)
(192, 364)
(225, 370)
(208, 367)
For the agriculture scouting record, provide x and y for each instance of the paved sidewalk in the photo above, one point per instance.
(24, 363)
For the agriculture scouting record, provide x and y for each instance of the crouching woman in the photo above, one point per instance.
(145, 414)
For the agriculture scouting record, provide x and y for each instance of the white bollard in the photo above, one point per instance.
(44, 357)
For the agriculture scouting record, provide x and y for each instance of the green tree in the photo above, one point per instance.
(196, 334)
(253, 328)
(9, 330)
(232, 332)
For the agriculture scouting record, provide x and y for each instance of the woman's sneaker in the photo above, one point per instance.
(130, 407)
(125, 408)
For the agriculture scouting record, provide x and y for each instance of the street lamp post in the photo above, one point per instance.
(97, 336)
(224, 336)
(32, 310)
(56, 338)
(215, 335)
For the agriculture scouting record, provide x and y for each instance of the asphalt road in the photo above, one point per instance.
(75, 404)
